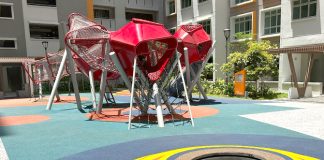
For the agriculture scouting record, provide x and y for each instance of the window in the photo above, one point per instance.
(200, 1)
(206, 25)
(185, 3)
(51, 3)
(304, 8)
(43, 31)
(102, 13)
(7, 43)
(146, 16)
(171, 7)
(240, 1)
(6, 10)
(272, 22)
(243, 25)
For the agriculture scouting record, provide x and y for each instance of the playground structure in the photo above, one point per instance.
(44, 70)
(142, 51)
(196, 48)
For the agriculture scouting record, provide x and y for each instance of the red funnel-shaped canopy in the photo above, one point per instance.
(150, 41)
(196, 40)
(87, 41)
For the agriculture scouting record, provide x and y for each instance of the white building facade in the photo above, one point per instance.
(302, 24)
(24, 25)
(212, 14)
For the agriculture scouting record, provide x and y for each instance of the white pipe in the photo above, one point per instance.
(93, 89)
(186, 93)
(132, 95)
(186, 57)
(66, 56)
(57, 81)
(74, 81)
(40, 88)
(157, 98)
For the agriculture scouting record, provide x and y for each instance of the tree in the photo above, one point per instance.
(254, 58)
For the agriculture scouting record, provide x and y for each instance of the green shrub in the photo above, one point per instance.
(208, 72)
(218, 88)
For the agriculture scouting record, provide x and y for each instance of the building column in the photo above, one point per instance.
(178, 11)
(321, 10)
(195, 11)
(284, 69)
(213, 37)
(120, 13)
(260, 7)
(286, 32)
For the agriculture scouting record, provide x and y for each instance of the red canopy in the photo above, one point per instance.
(150, 41)
(196, 40)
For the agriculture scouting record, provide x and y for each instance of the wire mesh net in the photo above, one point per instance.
(89, 41)
(54, 60)
(191, 27)
(174, 108)
(40, 73)
(196, 40)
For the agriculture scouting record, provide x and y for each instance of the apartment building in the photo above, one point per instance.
(24, 25)
(259, 18)
(288, 23)
(213, 15)
(113, 14)
(302, 26)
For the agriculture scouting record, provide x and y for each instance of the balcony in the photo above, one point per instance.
(144, 4)
(104, 2)
(110, 24)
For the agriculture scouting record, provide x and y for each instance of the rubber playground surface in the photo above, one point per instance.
(288, 130)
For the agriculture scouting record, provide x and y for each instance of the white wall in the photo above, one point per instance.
(221, 22)
(43, 15)
(218, 13)
(299, 33)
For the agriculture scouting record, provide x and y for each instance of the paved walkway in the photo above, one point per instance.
(287, 126)
(308, 118)
(319, 99)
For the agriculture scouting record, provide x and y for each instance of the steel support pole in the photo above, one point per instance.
(158, 106)
(57, 81)
(186, 93)
(132, 95)
(226, 47)
(74, 81)
(103, 83)
(66, 56)
(186, 57)
(93, 89)
(195, 80)
(200, 88)
(51, 81)
(124, 76)
(40, 87)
